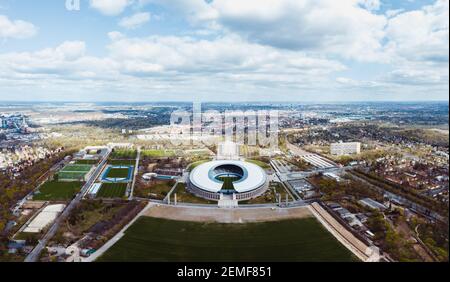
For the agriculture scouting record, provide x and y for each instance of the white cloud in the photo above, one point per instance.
(67, 61)
(222, 55)
(394, 12)
(110, 7)
(263, 48)
(135, 21)
(420, 35)
(343, 28)
(371, 5)
(17, 29)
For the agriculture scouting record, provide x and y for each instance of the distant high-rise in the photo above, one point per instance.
(347, 148)
(227, 151)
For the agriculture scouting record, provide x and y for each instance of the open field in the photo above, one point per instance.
(158, 153)
(57, 191)
(183, 196)
(156, 239)
(77, 168)
(74, 172)
(259, 163)
(121, 162)
(118, 173)
(155, 190)
(112, 190)
(71, 175)
(86, 162)
(124, 154)
(196, 164)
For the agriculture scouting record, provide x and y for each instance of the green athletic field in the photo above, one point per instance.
(118, 173)
(86, 162)
(154, 239)
(71, 176)
(228, 182)
(74, 172)
(122, 162)
(58, 191)
(77, 167)
(112, 190)
(158, 153)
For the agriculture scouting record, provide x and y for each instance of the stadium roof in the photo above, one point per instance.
(203, 176)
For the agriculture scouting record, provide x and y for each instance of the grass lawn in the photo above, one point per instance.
(259, 163)
(122, 162)
(124, 154)
(77, 168)
(112, 190)
(154, 239)
(228, 182)
(118, 173)
(157, 190)
(183, 196)
(71, 175)
(158, 153)
(57, 191)
(86, 162)
(196, 164)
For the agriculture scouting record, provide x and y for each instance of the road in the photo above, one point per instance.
(136, 170)
(35, 253)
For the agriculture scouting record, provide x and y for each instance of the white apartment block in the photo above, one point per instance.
(348, 148)
(227, 151)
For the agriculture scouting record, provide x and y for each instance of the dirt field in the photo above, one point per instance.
(227, 215)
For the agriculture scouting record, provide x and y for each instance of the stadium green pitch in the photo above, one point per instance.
(112, 190)
(161, 240)
(77, 167)
(118, 173)
(57, 191)
(74, 172)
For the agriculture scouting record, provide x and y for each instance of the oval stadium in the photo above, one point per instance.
(233, 179)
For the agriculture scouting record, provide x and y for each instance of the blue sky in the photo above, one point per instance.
(224, 50)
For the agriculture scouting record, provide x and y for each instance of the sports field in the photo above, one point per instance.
(58, 191)
(112, 190)
(158, 153)
(86, 162)
(118, 173)
(74, 172)
(155, 239)
(123, 154)
(77, 168)
(121, 162)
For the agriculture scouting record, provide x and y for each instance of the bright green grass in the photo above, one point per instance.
(86, 162)
(71, 175)
(158, 153)
(58, 191)
(259, 163)
(112, 190)
(228, 182)
(77, 168)
(118, 173)
(122, 162)
(124, 154)
(154, 239)
(196, 164)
